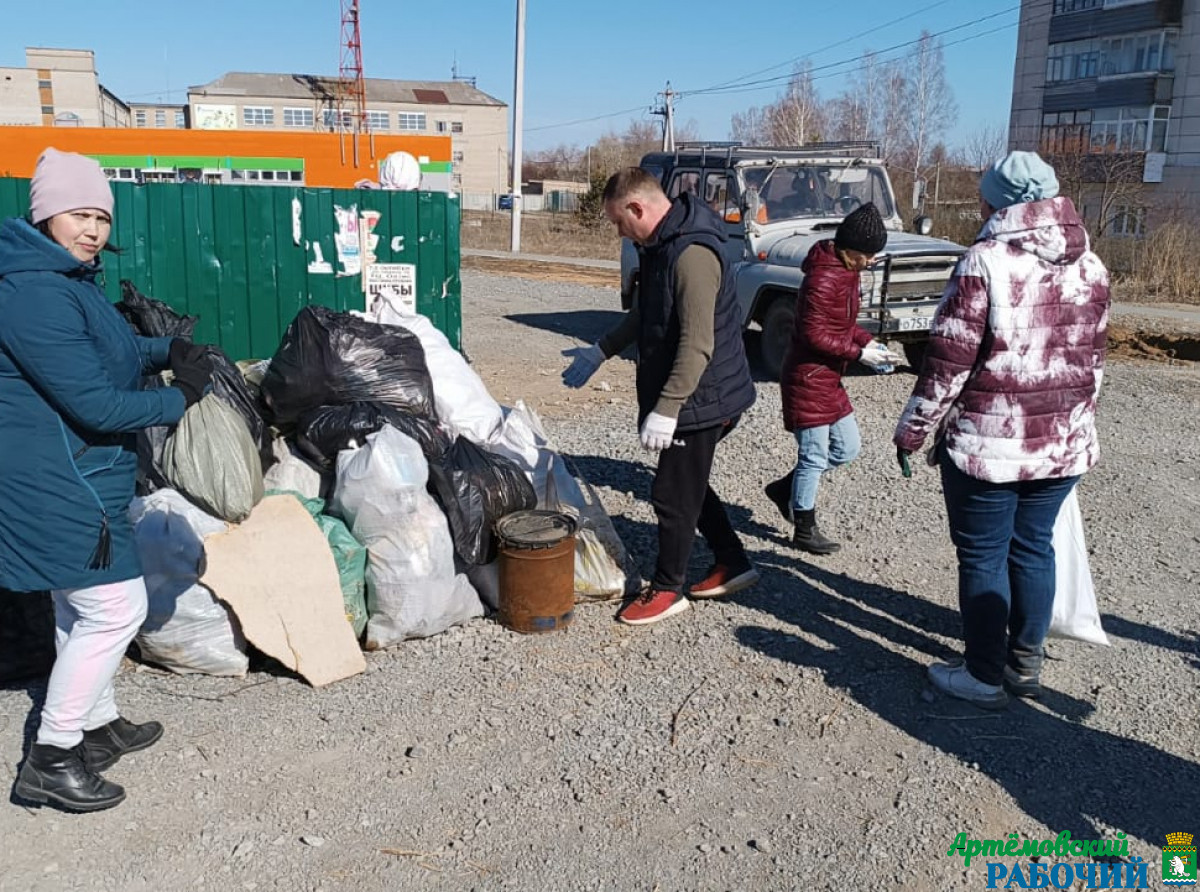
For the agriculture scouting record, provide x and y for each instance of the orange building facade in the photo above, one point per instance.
(329, 160)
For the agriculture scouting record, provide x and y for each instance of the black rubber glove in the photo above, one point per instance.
(178, 353)
(194, 380)
(184, 353)
(902, 459)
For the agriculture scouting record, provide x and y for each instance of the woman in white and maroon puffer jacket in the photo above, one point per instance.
(1008, 391)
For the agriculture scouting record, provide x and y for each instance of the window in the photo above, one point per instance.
(160, 118)
(684, 181)
(180, 119)
(411, 121)
(1136, 129)
(1127, 222)
(139, 119)
(1061, 6)
(258, 116)
(377, 120)
(449, 127)
(329, 119)
(719, 194)
(45, 84)
(1073, 60)
(298, 117)
(1138, 53)
(47, 109)
(1066, 133)
(122, 174)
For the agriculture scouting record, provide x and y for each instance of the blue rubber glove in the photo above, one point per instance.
(585, 361)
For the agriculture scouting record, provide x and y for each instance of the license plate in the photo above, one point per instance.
(915, 323)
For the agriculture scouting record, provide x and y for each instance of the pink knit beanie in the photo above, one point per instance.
(64, 181)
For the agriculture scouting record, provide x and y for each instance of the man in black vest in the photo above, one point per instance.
(693, 381)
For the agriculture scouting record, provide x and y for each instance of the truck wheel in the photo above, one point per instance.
(914, 352)
(776, 336)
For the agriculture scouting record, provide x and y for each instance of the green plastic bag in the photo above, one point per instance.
(351, 558)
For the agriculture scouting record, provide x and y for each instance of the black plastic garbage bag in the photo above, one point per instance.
(26, 634)
(153, 318)
(328, 358)
(322, 433)
(229, 384)
(476, 488)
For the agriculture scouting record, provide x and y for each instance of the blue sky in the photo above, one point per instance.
(583, 60)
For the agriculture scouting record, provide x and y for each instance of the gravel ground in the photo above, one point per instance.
(780, 739)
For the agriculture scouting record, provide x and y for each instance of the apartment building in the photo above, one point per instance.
(58, 88)
(476, 123)
(1110, 91)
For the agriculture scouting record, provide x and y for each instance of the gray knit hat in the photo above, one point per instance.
(862, 230)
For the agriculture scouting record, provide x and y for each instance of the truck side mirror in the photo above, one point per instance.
(923, 225)
(751, 203)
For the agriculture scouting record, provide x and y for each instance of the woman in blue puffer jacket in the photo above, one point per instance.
(71, 403)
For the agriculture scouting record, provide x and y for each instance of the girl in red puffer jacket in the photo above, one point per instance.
(825, 340)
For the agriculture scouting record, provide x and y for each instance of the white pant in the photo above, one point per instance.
(94, 626)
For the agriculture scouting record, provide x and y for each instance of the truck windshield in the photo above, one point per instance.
(788, 191)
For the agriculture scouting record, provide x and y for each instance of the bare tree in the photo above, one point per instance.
(928, 100)
(984, 145)
(750, 126)
(889, 130)
(853, 113)
(798, 116)
(1103, 185)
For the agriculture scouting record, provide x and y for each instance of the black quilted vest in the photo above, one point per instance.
(726, 389)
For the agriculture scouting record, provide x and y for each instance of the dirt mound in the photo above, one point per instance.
(1127, 343)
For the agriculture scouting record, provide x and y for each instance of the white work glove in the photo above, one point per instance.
(875, 354)
(657, 432)
(584, 364)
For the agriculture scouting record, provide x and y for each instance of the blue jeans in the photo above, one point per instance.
(1002, 532)
(819, 450)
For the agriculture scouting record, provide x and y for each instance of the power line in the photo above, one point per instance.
(831, 46)
(772, 81)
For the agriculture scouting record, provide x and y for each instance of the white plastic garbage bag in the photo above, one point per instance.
(186, 628)
(1075, 612)
(461, 398)
(291, 473)
(601, 562)
(412, 588)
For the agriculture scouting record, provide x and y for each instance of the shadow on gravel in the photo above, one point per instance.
(1187, 644)
(586, 325)
(1062, 773)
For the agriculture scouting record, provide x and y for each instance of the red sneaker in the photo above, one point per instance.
(723, 580)
(651, 606)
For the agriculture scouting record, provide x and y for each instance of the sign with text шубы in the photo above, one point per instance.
(394, 284)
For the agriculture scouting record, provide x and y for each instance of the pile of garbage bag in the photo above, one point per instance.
(397, 451)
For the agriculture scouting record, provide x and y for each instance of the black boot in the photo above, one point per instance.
(807, 536)
(780, 493)
(58, 775)
(103, 746)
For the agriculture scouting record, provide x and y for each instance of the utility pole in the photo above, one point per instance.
(518, 117)
(667, 112)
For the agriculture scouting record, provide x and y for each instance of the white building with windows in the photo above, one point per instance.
(476, 122)
(1114, 85)
(58, 88)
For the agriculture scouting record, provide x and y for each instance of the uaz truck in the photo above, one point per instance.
(776, 203)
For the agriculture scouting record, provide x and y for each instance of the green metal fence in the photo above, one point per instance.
(246, 259)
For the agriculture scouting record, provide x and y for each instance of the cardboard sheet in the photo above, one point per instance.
(276, 572)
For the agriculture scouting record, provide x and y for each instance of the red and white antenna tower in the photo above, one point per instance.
(352, 88)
